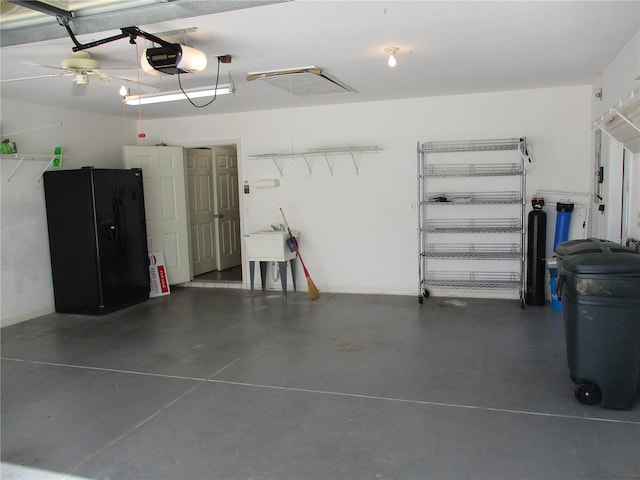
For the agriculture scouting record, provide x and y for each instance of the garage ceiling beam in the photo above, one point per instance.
(149, 14)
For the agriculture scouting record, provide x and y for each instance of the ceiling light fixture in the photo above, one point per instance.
(392, 55)
(178, 95)
(124, 91)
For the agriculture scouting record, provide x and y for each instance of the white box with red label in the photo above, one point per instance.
(159, 282)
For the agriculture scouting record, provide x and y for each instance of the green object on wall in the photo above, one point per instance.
(7, 148)
(57, 157)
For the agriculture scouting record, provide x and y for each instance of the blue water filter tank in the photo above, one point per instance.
(563, 220)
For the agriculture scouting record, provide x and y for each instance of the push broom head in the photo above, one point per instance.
(312, 290)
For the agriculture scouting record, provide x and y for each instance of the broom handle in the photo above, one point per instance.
(285, 220)
(295, 243)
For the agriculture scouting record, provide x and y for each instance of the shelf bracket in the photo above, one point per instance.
(355, 164)
(16, 167)
(306, 160)
(46, 168)
(275, 162)
(329, 166)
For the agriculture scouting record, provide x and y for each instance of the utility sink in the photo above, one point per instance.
(269, 246)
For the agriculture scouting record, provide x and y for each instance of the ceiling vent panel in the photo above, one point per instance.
(304, 81)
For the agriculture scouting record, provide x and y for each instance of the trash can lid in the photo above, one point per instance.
(589, 245)
(617, 263)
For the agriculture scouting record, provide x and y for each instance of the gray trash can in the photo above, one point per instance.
(588, 245)
(601, 304)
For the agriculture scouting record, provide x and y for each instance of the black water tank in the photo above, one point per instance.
(536, 248)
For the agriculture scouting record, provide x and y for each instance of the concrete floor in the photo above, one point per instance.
(214, 384)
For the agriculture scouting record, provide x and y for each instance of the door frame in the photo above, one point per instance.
(218, 142)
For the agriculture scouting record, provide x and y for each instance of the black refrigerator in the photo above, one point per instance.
(97, 239)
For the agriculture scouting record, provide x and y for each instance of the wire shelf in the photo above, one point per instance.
(504, 251)
(473, 225)
(474, 198)
(471, 145)
(473, 170)
(474, 280)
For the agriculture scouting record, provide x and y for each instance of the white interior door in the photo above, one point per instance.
(201, 202)
(227, 207)
(166, 210)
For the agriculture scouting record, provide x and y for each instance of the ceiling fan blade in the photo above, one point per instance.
(99, 75)
(134, 81)
(33, 64)
(51, 75)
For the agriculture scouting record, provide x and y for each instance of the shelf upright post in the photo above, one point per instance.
(421, 220)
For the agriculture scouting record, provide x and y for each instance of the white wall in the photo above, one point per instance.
(359, 233)
(26, 290)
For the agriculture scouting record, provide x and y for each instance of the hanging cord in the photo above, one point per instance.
(140, 133)
(215, 95)
(291, 115)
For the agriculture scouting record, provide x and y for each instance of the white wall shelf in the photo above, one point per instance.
(325, 153)
(622, 121)
(21, 157)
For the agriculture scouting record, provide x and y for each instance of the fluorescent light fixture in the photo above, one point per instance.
(178, 95)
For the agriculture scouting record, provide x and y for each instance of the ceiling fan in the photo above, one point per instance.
(81, 66)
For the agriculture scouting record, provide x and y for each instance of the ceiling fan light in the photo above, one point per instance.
(81, 79)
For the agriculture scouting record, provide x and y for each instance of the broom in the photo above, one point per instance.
(312, 290)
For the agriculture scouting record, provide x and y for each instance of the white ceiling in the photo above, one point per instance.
(446, 48)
